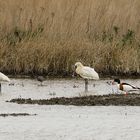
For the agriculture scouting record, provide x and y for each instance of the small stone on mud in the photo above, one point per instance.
(16, 114)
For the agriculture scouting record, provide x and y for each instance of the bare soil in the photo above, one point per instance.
(93, 100)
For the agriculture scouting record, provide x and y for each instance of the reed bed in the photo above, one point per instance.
(49, 36)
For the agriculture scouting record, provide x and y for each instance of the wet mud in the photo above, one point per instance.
(16, 114)
(93, 100)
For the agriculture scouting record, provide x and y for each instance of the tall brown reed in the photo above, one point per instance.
(49, 36)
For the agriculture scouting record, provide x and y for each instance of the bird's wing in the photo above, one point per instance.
(4, 77)
(89, 73)
(128, 86)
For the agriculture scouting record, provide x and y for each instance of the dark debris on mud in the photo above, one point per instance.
(92, 100)
(16, 114)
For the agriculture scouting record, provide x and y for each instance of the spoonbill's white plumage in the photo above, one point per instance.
(3, 78)
(86, 73)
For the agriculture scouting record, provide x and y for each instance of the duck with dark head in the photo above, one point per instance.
(124, 86)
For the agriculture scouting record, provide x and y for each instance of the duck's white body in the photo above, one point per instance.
(4, 78)
(125, 86)
(86, 72)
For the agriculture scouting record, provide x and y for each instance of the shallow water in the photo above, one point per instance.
(28, 88)
(65, 122)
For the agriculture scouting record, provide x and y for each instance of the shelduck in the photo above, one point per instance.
(125, 86)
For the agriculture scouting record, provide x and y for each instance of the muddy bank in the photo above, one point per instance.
(16, 114)
(93, 100)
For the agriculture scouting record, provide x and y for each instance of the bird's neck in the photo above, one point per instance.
(79, 69)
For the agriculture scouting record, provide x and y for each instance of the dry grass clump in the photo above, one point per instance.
(49, 36)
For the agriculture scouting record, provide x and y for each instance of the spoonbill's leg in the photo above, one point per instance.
(0, 88)
(86, 85)
(41, 84)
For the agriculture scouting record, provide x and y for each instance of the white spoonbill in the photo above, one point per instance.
(125, 86)
(86, 73)
(3, 78)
